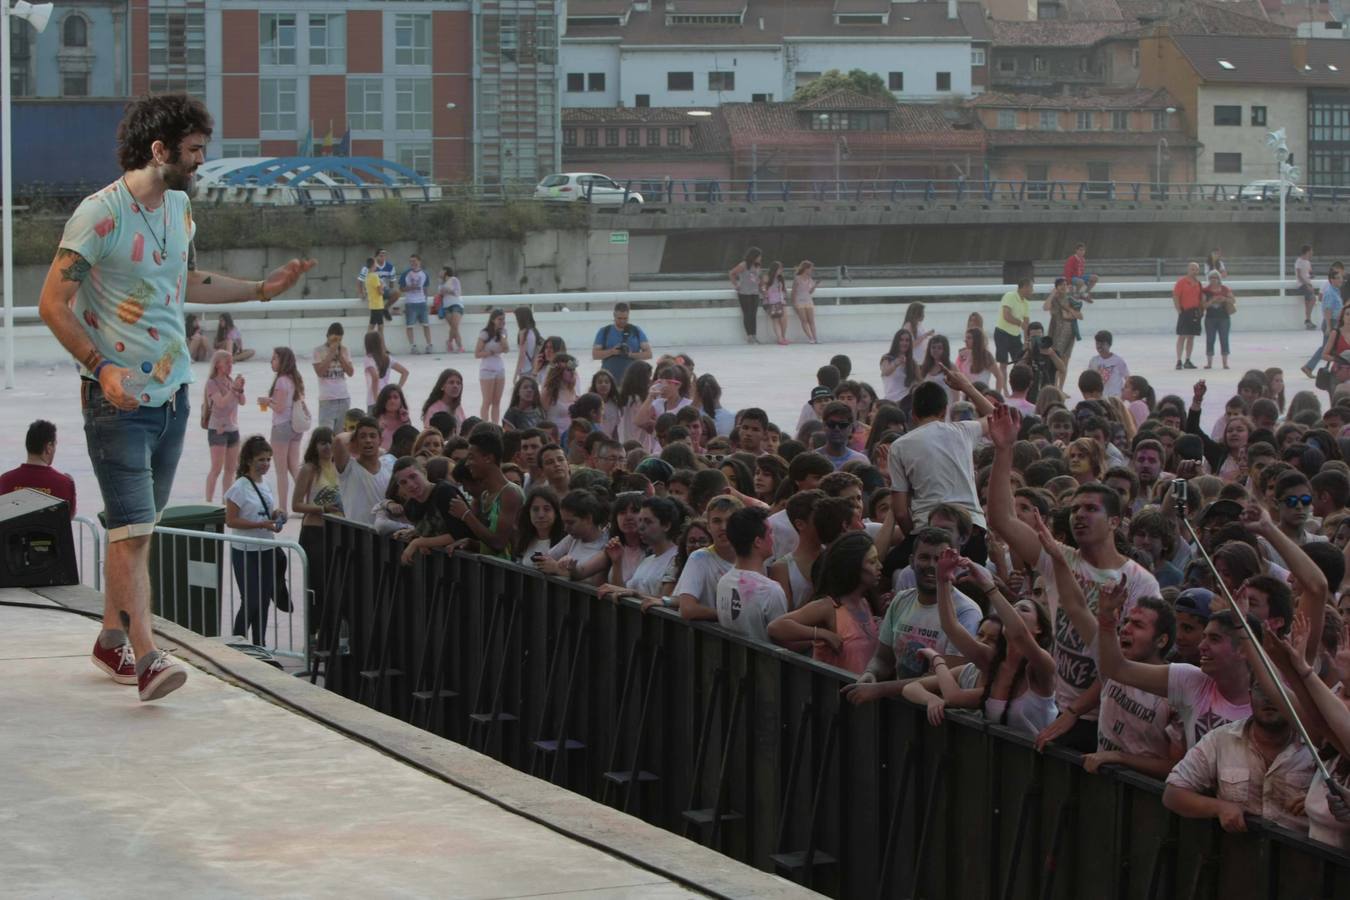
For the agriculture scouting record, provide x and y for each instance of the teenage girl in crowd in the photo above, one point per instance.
(288, 389)
(524, 410)
(559, 391)
(391, 411)
(745, 282)
(898, 370)
(229, 338)
(223, 395)
(774, 291)
(377, 367)
(451, 306)
(528, 342)
(603, 386)
(492, 343)
(446, 396)
(803, 298)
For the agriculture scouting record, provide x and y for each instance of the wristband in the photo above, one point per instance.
(99, 366)
(259, 292)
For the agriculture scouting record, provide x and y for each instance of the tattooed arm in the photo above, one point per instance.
(68, 271)
(210, 287)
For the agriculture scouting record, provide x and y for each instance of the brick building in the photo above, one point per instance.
(457, 89)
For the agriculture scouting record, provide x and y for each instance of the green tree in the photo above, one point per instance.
(868, 83)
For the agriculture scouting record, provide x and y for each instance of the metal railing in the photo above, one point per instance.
(91, 556)
(750, 749)
(218, 584)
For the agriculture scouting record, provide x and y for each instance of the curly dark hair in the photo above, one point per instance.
(159, 117)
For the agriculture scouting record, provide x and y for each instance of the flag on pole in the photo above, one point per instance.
(344, 147)
(307, 145)
(328, 140)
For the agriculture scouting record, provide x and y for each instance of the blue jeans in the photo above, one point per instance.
(255, 574)
(135, 456)
(1217, 326)
(1316, 359)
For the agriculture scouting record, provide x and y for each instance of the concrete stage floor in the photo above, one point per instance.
(215, 791)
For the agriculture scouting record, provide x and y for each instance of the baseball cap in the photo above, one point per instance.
(821, 392)
(1230, 509)
(657, 470)
(1195, 602)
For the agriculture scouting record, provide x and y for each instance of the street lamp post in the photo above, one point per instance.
(1157, 166)
(1289, 176)
(37, 16)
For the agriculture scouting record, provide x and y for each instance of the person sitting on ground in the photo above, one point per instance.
(228, 338)
(37, 472)
(199, 345)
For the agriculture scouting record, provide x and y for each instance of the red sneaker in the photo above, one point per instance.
(119, 662)
(163, 676)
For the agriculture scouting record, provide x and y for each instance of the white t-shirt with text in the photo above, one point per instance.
(747, 602)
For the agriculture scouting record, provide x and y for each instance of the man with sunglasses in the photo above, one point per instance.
(1293, 499)
(838, 429)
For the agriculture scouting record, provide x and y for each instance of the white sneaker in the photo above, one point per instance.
(429, 351)
(413, 350)
(163, 676)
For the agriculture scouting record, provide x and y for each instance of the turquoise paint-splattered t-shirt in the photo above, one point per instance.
(131, 301)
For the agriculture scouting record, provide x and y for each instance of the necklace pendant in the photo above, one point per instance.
(159, 260)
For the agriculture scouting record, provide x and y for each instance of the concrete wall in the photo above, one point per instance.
(1286, 107)
(546, 262)
(702, 327)
(584, 57)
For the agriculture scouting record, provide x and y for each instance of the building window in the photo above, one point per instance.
(850, 121)
(721, 81)
(1228, 115)
(276, 39)
(412, 39)
(75, 32)
(896, 81)
(1007, 118)
(1120, 121)
(1084, 66)
(177, 39)
(576, 82)
(1038, 64)
(595, 82)
(412, 104)
(1049, 120)
(679, 81)
(1084, 120)
(672, 137)
(239, 149)
(75, 84)
(642, 101)
(365, 104)
(592, 136)
(977, 56)
(1048, 11)
(1160, 120)
(508, 38)
(761, 98)
(276, 105)
(415, 156)
(611, 137)
(653, 137)
(1007, 65)
(327, 39)
(944, 81)
(633, 137)
(569, 137)
(1227, 163)
(1258, 115)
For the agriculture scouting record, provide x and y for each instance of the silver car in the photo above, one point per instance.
(1269, 189)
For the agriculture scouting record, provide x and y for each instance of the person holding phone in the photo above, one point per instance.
(617, 345)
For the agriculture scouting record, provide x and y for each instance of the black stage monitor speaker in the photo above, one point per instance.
(36, 546)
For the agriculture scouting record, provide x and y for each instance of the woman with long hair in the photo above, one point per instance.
(745, 282)
(774, 291)
(524, 410)
(1016, 681)
(803, 298)
(491, 344)
(709, 403)
(223, 395)
(229, 338)
(604, 387)
(446, 396)
(317, 494)
(770, 472)
(559, 391)
(449, 296)
(379, 365)
(528, 341)
(841, 625)
(936, 357)
(429, 444)
(1275, 386)
(251, 511)
(659, 522)
(550, 348)
(288, 389)
(391, 411)
(624, 550)
(538, 524)
(913, 323)
(1139, 398)
(634, 387)
(199, 345)
(899, 373)
(975, 361)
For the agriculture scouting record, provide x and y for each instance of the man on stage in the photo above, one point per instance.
(114, 299)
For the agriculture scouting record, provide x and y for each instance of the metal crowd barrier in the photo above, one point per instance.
(91, 555)
(750, 749)
(201, 580)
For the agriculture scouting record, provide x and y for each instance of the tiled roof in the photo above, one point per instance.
(1142, 98)
(1236, 18)
(1010, 138)
(1266, 60)
(1055, 33)
(785, 20)
(627, 115)
(1092, 11)
(846, 99)
(915, 125)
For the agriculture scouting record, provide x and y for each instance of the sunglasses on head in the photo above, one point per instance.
(1295, 499)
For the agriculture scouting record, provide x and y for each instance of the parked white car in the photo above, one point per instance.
(600, 190)
(1269, 189)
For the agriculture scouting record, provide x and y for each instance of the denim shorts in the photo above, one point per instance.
(221, 438)
(135, 455)
(414, 313)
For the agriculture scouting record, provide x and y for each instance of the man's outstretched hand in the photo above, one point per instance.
(283, 278)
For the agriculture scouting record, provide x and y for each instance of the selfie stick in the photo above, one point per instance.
(1179, 500)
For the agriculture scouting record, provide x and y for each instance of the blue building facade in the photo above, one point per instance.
(83, 53)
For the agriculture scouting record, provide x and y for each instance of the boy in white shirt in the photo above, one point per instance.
(1109, 365)
(747, 599)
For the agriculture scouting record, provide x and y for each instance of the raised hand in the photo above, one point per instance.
(949, 561)
(1048, 542)
(1256, 519)
(1198, 392)
(1110, 601)
(1004, 423)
